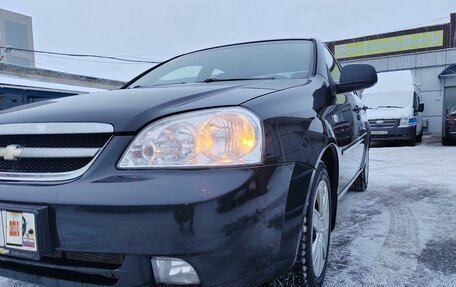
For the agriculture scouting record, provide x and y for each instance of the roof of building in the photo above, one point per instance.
(21, 83)
(449, 71)
(49, 76)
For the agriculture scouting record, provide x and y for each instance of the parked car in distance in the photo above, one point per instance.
(449, 128)
(15, 91)
(220, 167)
(395, 108)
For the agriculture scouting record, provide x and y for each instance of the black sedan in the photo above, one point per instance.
(449, 128)
(221, 167)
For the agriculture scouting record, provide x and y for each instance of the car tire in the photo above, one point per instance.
(315, 237)
(362, 181)
(446, 141)
(412, 142)
(419, 138)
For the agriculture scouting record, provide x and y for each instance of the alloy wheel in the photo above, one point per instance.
(320, 228)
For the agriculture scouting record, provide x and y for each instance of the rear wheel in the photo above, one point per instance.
(310, 267)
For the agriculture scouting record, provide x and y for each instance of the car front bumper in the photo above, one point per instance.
(450, 132)
(393, 134)
(235, 226)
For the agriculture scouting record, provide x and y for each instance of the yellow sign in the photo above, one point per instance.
(391, 44)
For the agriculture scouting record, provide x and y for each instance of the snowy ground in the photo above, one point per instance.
(402, 230)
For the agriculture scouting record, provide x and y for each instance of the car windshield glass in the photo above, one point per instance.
(393, 99)
(265, 60)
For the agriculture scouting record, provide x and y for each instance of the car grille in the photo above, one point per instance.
(51, 152)
(49, 141)
(390, 123)
(94, 260)
(43, 165)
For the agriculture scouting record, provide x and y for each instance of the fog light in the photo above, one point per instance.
(174, 271)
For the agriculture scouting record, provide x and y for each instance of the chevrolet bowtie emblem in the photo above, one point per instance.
(11, 152)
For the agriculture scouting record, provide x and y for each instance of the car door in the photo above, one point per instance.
(349, 123)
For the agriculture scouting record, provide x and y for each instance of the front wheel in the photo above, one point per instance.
(412, 140)
(419, 138)
(446, 141)
(311, 264)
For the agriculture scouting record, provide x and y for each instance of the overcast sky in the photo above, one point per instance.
(157, 30)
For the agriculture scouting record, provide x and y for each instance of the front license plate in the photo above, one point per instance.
(19, 236)
(379, 132)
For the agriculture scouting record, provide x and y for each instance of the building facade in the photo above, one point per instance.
(429, 52)
(22, 85)
(16, 31)
(21, 82)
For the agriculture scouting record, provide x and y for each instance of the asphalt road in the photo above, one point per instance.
(402, 230)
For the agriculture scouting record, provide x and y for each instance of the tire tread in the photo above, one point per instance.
(300, 275)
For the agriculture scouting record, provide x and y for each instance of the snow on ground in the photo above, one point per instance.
(401, 231)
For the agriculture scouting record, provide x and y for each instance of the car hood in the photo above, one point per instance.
(130, 109)
(387, 113)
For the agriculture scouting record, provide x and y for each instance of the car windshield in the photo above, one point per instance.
(388, 99)
(291, 59)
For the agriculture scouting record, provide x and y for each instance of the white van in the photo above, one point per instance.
(394, 108)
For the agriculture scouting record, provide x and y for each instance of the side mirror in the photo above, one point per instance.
(356, 77)
(421, 107)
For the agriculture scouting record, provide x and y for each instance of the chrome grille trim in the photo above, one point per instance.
(36, 152)
(47, 177)
(55, 128)
(387, 123)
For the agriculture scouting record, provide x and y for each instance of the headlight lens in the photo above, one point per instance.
(404, 122)
(407, 122)
(224, 136)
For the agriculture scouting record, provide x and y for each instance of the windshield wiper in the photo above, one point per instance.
(389, 107)
(148, 86)
(211, 80)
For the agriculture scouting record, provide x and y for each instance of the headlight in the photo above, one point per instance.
(407, 122)
(404, 122)
(213, 137)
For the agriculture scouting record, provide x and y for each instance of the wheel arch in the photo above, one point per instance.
(331, 160)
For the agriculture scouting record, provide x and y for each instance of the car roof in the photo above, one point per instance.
(252, 42)
(396, 81)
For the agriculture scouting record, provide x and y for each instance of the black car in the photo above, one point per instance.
(221, 167)
(449, 128)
